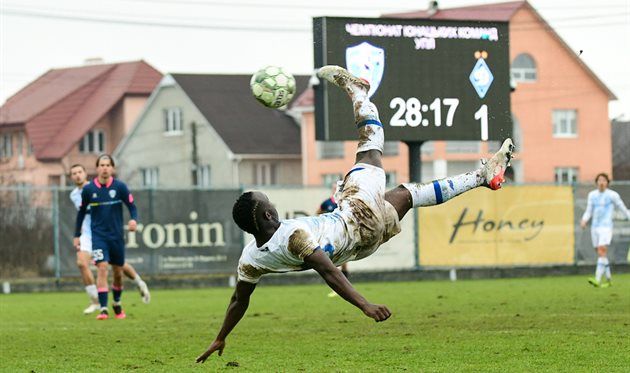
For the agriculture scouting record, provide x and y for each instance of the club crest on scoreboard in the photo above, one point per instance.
(368, 62)
(481, 77)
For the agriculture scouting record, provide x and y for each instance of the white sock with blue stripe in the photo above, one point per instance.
(440, 191)
(371, 135)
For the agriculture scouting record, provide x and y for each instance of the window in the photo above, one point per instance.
(427, 148)
(460, 167)
(150, 176)
(93, 142)
(390, 178)
(203, 176)
(329, 180)
(462, 146)
(20, 143)
(390, 148)
(6, 145)
(564, 123)
(173, 123)
(523, 68)
(566, 175)
(265, 174)
(330, 149)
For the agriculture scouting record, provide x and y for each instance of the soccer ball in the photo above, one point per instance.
(272, 86)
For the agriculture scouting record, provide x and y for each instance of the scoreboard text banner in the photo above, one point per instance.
(521, 225)
(430, 79)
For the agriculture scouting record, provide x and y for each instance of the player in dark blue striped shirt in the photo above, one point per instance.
(105, 196)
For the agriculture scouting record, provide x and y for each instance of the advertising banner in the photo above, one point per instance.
(179, 231)
(519, 225)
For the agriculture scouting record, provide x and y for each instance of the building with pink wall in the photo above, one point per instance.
(70, 116)
(560, 111)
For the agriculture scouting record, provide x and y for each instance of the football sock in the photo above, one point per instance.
(102, 297)
(137, 280)
(371, 135)
(600, 269)
(607, 269)
(440, 191)
(117, 291)
(92, 293)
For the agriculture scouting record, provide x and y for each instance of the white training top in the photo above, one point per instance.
(75, 197)
(600, 207)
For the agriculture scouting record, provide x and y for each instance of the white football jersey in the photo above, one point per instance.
(75, 197)
(361, 223)
(600, 207)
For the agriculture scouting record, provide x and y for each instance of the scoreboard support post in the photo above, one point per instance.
(415, 162)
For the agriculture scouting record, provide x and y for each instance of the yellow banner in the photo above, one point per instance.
(517, 225)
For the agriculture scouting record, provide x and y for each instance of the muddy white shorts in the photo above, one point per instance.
(361, 199)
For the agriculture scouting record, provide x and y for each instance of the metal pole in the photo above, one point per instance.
(55, 219)
(415, 162)
(415, 175)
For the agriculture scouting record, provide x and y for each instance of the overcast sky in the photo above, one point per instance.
(240, 36)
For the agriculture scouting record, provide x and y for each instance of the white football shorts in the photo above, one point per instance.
(86, 243)
(601, 236)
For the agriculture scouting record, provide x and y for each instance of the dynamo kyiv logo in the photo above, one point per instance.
(368, 62)
(481, 78)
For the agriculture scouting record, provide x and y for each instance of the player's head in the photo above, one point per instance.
(105, 166)
(602, 180)
(252, 211)
(78, 174)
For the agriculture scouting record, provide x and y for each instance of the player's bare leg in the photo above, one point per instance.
(83, 263)
(103, 289)
(371, 137)
(117, 288)
(131, 274)
(490, 175)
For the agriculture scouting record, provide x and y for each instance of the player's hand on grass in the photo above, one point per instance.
(77, 243)
(133, 225)
(378, 312)
(215, 346)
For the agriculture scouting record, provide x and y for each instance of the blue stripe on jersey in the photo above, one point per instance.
(354, 169)
(438, 192)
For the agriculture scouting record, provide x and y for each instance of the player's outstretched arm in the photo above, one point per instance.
(236, 310)
(320, 262)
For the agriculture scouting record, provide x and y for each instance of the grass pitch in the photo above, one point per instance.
(544, 324)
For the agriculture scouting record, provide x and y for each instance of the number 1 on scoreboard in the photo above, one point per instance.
(482, 114)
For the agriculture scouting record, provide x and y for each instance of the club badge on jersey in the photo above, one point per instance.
(112, 193)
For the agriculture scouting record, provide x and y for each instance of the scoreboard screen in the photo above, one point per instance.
(430, 79)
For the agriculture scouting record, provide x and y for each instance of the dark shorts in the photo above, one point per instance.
(110, 250)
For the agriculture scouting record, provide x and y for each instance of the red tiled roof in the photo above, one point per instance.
(59, 107)
(488, 12)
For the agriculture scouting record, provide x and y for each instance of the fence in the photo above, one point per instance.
(192, 232)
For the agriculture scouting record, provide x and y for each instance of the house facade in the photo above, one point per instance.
(70, 116)
(200, 130)
(559, 110)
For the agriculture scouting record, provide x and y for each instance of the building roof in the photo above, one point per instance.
(488, 12)
(498, 12)
(59, 107)
(246, 126)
